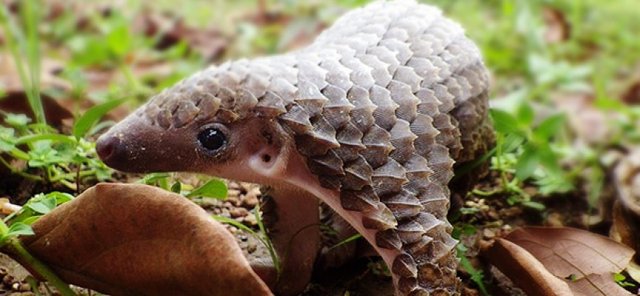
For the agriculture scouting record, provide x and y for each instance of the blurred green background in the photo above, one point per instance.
(531, 46)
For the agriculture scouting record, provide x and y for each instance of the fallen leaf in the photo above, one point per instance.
(626, 209)
(125, 239)
(632, 95)
(525, 270)
(560, 261)
(597, 284)
(569, 252)
(625, 226)
(558, 28)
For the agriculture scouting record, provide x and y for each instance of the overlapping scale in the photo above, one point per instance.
(381, 105)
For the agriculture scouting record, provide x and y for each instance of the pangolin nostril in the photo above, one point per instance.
(106, 146)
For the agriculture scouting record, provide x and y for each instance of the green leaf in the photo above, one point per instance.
(476, 276)
(504, 122)
(119, 39)
(511, 143)
(92, 116)
(215, 188)
(7, 139)
(534, 205)
(156, 179)
(45, 137)
(43, 206)
(621, 280)
(550, 127)
(17, 120)
(30, 220)
(60, 197)
(87, 50)
(549, 160)
(527, 163)
(525, 114)
(19, 228)
(176, 187)
(44, 155)
(551, 183)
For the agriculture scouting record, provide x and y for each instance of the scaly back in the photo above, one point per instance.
(381, 105)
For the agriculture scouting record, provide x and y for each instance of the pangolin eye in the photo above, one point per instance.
(212, 139)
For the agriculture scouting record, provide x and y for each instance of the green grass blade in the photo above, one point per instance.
(16, 44)
(236, 224)
(346, 241)
(31, 16)
(272, 251)
(42, 137)
(92, 116)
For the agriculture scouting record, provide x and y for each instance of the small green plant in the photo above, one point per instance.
(18, 224)
(527, 151)
(622, 281)
(477, 276)
(40, 153)
(212, 188)
(40, 204)
(37, 151)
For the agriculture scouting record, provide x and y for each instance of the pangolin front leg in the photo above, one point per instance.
(293, 224)
(370, 118)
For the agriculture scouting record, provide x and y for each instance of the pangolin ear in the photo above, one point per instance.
(269, 162)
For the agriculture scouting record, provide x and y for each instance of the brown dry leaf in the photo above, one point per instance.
(525, 270)
(626, 209)
(597, 284)
(132, 239)
(558, 28)
(572, 252)
(625, 226)
(540, 260)
(632, 95)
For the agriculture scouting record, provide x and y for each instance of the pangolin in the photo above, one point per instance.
(369, 119)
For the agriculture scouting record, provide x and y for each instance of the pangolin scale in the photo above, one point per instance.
(379, 107)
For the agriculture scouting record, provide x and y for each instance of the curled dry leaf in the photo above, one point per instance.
(632, 95)
(530, 274)
(597, 284)
(131, 239)
(572, 252)
(540, 260)
(558, 28)
(626, 209)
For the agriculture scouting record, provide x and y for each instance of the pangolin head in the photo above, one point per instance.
(202, 124)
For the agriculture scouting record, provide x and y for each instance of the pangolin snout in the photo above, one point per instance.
(135, 146)
(110, 150)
